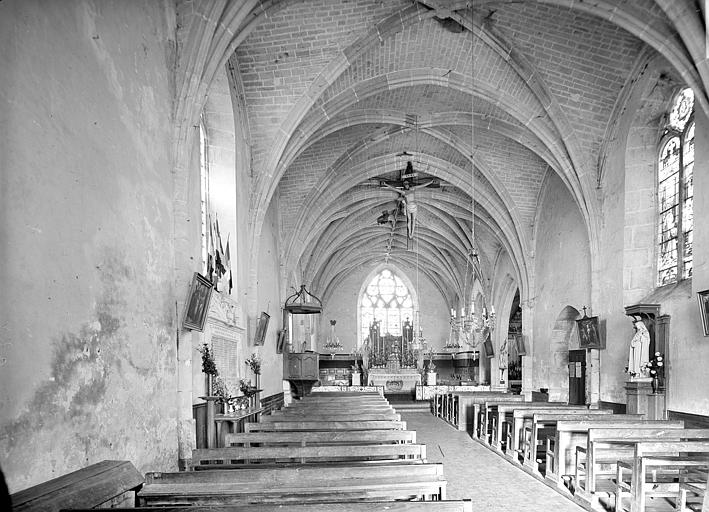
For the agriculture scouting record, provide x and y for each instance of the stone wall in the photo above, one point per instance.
(87, 337)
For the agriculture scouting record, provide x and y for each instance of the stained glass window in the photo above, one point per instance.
(675, 193)
(387, 299)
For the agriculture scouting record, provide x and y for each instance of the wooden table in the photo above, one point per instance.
(235, 422)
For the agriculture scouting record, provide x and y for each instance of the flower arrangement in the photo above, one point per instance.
(208, 365)
(655, 366)
(254, 363)
(222, 390)
(246, 388)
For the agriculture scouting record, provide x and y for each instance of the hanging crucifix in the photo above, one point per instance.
(406, 187)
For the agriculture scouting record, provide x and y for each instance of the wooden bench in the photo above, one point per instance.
(106, 483)
(522, 419)
(482, 413)
(460, 412)
(656, 469)
(273, 426)
(352, 506)
(332, 416)
(542, 424)
(295, 484)
(305, 438)
(596, 462)
(235, 455)
(696, 493)
(502, 414)
(561, 448)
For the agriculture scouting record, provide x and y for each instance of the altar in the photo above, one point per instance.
(394, 380)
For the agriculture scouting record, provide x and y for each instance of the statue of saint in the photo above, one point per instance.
(639, 352)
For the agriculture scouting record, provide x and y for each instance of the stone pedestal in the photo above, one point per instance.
(356, 379)
(641, 400)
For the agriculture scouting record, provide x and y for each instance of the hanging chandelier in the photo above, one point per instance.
(332, 343)
(468, 327)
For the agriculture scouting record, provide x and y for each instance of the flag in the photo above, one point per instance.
(227, 255)
(230, 282)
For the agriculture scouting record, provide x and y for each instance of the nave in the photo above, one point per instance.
(476, 473)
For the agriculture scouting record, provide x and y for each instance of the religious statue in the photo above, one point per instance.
(639, 352)
(407, 197)
(387, 216)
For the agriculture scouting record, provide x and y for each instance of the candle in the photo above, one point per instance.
(462, 312)
(452, 312)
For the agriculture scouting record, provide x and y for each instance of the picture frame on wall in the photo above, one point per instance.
(519, 343)
(261, 328)
(197, 304)
(589, 333)
(281, 340)
(703, 298)
(487, 347)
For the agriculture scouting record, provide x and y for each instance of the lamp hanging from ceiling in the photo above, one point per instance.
(303, 303)
(468, 327)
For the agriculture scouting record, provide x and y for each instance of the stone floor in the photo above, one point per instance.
(475, 472)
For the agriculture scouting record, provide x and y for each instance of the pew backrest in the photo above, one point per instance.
(330, 437)
(104, 483)
(325, 425)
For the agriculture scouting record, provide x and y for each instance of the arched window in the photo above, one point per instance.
(675, 192)
(387, 299)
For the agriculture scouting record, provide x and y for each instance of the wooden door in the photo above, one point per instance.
(577, 377)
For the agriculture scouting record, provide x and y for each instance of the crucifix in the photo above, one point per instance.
(406, 187)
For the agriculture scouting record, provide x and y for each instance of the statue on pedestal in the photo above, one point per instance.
(639, 352)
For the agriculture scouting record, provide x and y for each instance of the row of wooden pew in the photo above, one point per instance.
(602, 460)
(326, 452)
(332, 450)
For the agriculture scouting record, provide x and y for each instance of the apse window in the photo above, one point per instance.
(386, 299)
(675, 192)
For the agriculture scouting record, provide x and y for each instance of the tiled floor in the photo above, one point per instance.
(474, 472)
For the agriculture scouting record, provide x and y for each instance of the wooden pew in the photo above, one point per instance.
(561, 448)
(332, 416)
(273, 426)
(523, 417)
(696, 493)
(502, 414)
(305, 438)
(99, 485)
(461, 413)
(534, 425)
(606, 446)
(484, 418)
(352, 506)
(336, 407)
(237, 455)
(656, 469)
(296, 484)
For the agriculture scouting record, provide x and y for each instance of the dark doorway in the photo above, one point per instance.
(577, 377)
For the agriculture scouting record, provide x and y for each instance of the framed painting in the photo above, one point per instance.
(197, 305)
(519, 343)
(487, 347)
(704, 310)
(281, 340)
(589, 335)
(261, 328)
